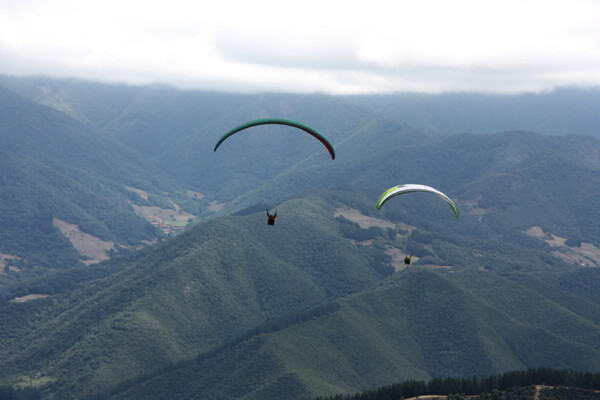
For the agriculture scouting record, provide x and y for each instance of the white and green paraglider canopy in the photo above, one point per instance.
(411, 188)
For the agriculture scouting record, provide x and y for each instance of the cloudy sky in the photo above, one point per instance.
(329, 46)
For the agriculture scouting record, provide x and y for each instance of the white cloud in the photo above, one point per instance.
(315, 45)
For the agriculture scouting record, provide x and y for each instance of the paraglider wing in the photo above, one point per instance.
(279, 121)
(410, 188)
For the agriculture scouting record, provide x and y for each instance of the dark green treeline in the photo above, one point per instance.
(25, 393)
(477, 385)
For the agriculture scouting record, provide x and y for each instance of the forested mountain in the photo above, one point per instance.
(237, 309)
(511, 180)
(318, 304)
(209, 286)
(54, 168)
(419, 324)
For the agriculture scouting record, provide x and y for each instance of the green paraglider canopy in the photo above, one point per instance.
(410, 188)
(279, 121)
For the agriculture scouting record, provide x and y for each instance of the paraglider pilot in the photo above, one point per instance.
(407, 259)
(271, 217)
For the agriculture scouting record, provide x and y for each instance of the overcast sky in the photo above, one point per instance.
(336, 47)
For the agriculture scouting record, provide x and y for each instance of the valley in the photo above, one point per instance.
(169, 220)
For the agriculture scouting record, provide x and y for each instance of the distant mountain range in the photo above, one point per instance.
(319, 304)
(563, 111)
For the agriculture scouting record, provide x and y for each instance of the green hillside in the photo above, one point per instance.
(55, 168)
(176, 130)
(237, 309)
(416, 325)
(206, 287)
(509, 181)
